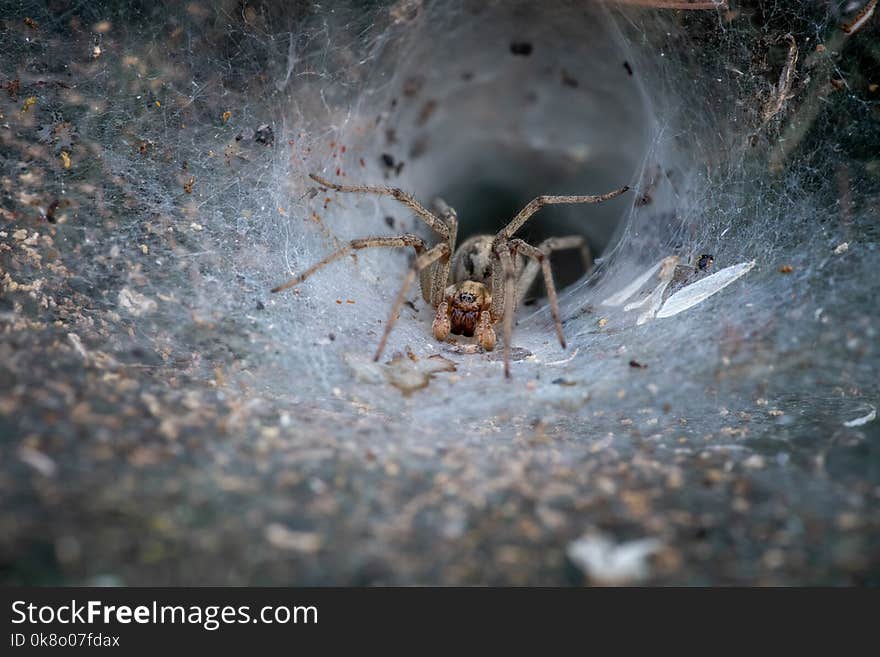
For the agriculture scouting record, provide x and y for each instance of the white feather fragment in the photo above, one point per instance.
(652, 302)
(859, 421)
(690, 296)
(621, 297)
(607, 562)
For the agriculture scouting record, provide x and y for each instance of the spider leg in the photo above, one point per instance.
(536, 204)
(508, 286)
(423, 260)
(439, 274)
(541, 256)
(369, 242)
(399, 195)
(530, 271)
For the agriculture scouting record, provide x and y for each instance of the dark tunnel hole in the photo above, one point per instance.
(486, 207)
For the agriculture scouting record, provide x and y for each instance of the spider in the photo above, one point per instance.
(475, 286)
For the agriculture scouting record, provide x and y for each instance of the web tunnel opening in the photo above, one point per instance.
(166, 419)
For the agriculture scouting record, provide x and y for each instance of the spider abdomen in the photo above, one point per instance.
(472, 260)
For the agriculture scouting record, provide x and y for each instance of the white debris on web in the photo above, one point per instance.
(864, 419)
(608, 562)
(651, 303)
(691, 295)
(210, 158)
(564, 361)
(135, 303)
(624, 295)
(406, 373)
(37, 460)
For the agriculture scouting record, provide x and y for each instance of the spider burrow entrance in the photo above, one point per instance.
(487, 270)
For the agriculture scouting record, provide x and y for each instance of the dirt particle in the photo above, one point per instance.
(265, 135)
(568, 80)
(426, 112)
(521, 48)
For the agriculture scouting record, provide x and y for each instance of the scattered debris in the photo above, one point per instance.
(516, 354)
(425, 113)
(413, 85)
(365, 369)
(607, 562)
(50, 211)
(786, 269)
(28, 103)
(859, 421)
(564, 361)
(861, 18)
(698, 292)
(135, 303)
(403, 11)
(78, 346)
(521, 48)
(568, 80)
(283, 538)
(841, 248)
(37, 460)
(782, 92)
(464, 349)
(264, 135)
(621, 297)
(12, 88)
(646, 194)
(408, 375)
(651, 303)
(677, 4)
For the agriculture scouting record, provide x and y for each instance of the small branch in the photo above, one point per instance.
(677, 4)
(783, 88)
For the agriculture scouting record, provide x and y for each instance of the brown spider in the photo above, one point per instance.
(486, 270)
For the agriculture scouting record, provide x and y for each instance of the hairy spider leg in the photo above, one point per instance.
(503, 270)
(551, 245)
(424, 260)
(543, 259)
(433, 281)
(539, 202)
(508, 286)
(366, 243)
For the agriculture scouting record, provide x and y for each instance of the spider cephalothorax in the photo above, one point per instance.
(465, 310)
(490, 274)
